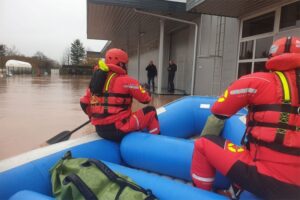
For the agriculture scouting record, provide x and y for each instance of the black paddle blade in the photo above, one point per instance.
(63, 136)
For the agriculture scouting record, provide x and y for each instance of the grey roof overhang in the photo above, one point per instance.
(150, 5)
(232, 8)
(116, 20)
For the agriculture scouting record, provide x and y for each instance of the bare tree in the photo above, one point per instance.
(40, 55)
(66, 59)
(12, 51)
(3, 50)
(43, 61)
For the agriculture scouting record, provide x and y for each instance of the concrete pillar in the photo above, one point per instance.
(160, 56)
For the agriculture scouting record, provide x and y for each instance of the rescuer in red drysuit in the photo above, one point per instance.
(269, 163)
(110, 111)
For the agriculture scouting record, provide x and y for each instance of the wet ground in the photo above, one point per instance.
(34, 109)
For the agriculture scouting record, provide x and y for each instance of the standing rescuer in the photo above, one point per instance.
(269, 164)
(108, 100)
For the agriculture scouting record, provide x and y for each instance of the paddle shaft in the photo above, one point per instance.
(79, 127)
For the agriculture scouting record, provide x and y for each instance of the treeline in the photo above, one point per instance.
(74, 55)
(42, 61)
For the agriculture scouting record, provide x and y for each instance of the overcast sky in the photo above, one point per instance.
(49, 26)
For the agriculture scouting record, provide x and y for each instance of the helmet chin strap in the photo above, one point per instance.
(123, 65)
(287, 47)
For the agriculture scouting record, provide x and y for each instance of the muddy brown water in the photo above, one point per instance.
(34, 109)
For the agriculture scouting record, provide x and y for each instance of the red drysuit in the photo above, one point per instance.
(269, 165)
(111, 112)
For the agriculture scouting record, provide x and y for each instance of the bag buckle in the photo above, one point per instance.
(67, 155)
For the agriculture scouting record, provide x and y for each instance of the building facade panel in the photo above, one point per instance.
(276, 22)
(230, 52)
(204, 74)
(179, 53)
(217, 54)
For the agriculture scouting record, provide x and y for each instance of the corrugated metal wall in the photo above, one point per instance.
(217, 54)
(181, 52)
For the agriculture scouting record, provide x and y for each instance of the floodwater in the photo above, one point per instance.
(34, 109)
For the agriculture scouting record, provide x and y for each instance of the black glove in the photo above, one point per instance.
(146, 87)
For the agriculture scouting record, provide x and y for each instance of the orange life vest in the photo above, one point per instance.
(108, 103)
(286, 138)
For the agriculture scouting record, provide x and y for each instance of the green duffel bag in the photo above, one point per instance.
(89, 179)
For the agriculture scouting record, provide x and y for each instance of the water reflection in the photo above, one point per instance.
(34, 109)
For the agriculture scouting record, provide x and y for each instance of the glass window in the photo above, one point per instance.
(262, 47)
(246, 50)
(260, 67)
(259, 25)
(290, 15)
(244, 68)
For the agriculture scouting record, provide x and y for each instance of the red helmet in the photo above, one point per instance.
(116, 57)
(284, 54)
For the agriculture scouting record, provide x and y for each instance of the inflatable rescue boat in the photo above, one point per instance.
(160, 163)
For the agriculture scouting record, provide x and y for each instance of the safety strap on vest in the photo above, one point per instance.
(108, 82)
(276, 107)
(105, 104)
(273, 125)
(106, 95)
(285, 88)
(114, 95)
(285, 110)
(274, 146)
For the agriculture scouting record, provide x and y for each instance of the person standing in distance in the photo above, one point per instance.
(151, 73)
(171, 69)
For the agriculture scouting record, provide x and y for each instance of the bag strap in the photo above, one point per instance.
(86, 192)
(120, 180)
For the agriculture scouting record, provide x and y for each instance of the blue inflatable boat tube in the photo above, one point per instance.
(161, 154)
(35, 177)
(168, 155)
(186, 117)
(163, 188)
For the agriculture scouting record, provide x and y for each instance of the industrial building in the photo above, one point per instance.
(213, 42)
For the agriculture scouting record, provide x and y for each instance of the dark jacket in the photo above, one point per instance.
(151, 70)
(172, 68)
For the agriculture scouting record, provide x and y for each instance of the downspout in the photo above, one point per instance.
(195, 40)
